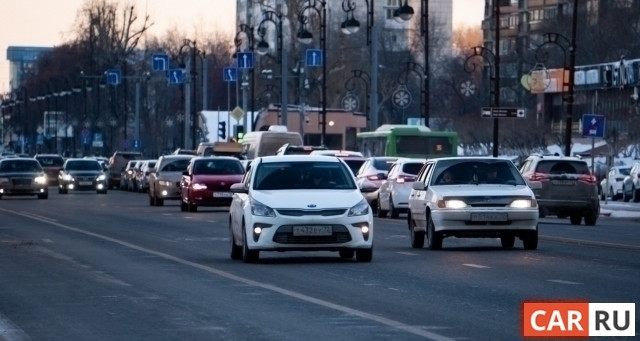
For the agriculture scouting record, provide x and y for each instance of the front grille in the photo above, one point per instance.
(22, 181)
(301, 213)
(284, 235)
(488, 201)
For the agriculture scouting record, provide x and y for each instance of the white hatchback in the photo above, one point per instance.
(300, 203)
(393, 195)
(472, 197)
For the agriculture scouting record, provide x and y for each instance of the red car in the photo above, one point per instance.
(207, 180)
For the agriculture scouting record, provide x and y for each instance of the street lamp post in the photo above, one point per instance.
(564, 44)
(350, 86)
(193, 113)
(305, 37)
(262, 47)
(248, 32)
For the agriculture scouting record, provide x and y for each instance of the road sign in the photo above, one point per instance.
(245, 60)
(137, 143)
(230, 74)
(237, 113)
(114, 76)
(593, 125)
(175, 76)
(160, 62)
(314, 57)
(500, 112)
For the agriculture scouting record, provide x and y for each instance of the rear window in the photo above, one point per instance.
(87, 165)
(50, 161)
(218, 167)
(354, 164)
(383, 164)
(562, 167)
(176, 166)
(412, 168)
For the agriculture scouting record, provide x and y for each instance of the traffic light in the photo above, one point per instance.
(238, 132)
(222, 130)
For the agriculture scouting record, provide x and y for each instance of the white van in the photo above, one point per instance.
(264, 143)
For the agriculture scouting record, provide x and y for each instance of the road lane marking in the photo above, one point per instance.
(407, 253)
(337, 307)
(477, 266)
(563, 282)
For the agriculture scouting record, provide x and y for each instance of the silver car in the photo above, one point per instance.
(374, 171)
(164, 179)
(631, 184)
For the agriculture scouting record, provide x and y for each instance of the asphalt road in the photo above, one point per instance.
(110, 267)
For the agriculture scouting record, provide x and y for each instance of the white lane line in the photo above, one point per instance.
(382, 320)
(407, 253)
(563, 282)
(477, 266)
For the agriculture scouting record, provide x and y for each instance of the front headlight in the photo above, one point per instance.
(260, 209)
(361, 208)
(67, 177)
(452, 203)
(41, 180)
(524, 203)
(101, 177)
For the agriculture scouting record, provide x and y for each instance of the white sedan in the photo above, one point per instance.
(472, 197)
(611, 185)
(301, 203)
(393, 195)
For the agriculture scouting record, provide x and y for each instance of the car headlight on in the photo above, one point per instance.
(452, 203)
(40, 180)
(361, 208)
(524, 203)
(101, 177)
(199, 186)
(67, 177)
(260, 209)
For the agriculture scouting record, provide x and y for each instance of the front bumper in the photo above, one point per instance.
(479, 222)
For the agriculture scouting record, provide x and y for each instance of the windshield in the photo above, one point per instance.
(84, 165)
(20, 166)
(458, 172)
(303, 175)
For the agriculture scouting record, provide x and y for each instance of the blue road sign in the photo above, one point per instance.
(245, 60)
(114, 76)
(137, 143)
(230, 74)
(175, 76)
(593, 125)
(160, 62)
(314, 57)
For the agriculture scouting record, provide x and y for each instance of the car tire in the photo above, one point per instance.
(591, 217)
(236, 251)
(392, 210)
(159, 202)
(530, 240)
(507, 242)
(192, 207)
(152, 201)
(434, 239)
(380, 212)
(346, 254)
(63, 191)
(364, 255)
(614, 196)
(575, 219)
(626, 197)
(248, 255)
(636, 195)
(104, 191)
(183, 206)
(417, 237)
(43, 196)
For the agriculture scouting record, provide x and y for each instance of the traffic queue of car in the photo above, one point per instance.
(309, 198)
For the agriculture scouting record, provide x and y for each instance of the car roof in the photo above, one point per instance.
(215, 157)
(298, 158)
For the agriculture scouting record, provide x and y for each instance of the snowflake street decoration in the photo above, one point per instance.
(350, 102)
(467, 88)
(401, 98)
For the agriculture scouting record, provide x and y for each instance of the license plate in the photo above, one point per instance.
(222, 194)
(563, 182)
(489, 217)
(85, 183)
(312, 230)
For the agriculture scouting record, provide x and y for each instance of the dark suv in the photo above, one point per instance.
(52, 164)
(117, 162)
(564, 186)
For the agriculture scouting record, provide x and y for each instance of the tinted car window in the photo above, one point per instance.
(411, 168)
(383, 164)
(303, 175)
(218, 167)
(560, 167)
(20, 166)
(84, 165)
(354, 164)
(176, 166)
(464, 172)
(50, 161)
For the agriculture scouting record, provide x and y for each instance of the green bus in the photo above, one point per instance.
(407, 141)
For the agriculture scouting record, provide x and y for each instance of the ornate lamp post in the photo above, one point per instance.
(305, 37)
(350, 102)
(565, 45)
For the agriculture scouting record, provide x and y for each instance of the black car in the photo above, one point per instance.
(82, 175)
(22, 176)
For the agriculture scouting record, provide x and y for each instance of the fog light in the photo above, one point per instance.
(70, 186)
(100, 186)
(164, 193)
(364, 229)
(257, 230)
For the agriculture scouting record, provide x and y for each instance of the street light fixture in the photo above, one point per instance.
(565, 44)
(305, 37)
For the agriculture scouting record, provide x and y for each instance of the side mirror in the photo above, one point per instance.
(419, 186)
(239, 188)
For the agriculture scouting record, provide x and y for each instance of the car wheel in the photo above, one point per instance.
(192, 207)
(183, 206)
(43, 196)
(591, 218)
(346, 254)
(626, 197)
(417, 237)
(575, 219)
(530, 240)
(392, 210)
(248, 256)
(636, 195)
(602, 196)
(63, 191)
(102, 191)
(379, 211)
(236, 251)
(152, 201)
(364, 255)
(159, 202)
(434, 239)
(507, 242)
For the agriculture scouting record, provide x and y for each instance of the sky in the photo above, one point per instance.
(49, 23)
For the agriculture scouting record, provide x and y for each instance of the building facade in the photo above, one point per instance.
(21, 60)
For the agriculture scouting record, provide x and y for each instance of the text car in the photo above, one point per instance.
(472, 197)
(82, 175)
(207, 180)
(300, 202)
(23, 176)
